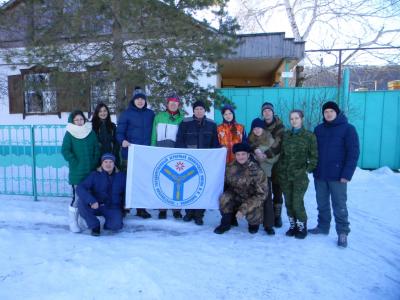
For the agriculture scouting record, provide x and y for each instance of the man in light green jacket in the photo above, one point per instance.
(165, 128)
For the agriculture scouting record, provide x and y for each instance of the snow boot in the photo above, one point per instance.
(198, 221)
(292, 229)
(253, 228)
(234, 221)
(95, 231)
(177, 214)
(301, 231)
(162, 215)
(342, 240)
(225, 225)
(269, 230)
(82, 223)
(277, 214)
(141, 212)
(73, 219)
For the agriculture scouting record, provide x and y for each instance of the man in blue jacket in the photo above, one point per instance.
(101, 194)
(134, 126)
(338, 152)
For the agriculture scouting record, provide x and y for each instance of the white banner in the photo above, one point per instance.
(160, 177)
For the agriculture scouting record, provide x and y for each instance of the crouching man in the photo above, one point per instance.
(101, 194)
(245, 190)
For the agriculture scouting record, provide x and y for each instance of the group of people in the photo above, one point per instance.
(269, 164)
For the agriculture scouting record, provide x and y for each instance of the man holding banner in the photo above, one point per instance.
(197, 132)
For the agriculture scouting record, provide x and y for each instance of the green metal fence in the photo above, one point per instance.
(376, 115)
(31, 162)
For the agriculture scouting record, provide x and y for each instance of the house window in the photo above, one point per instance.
(39, 94)
(102, 89)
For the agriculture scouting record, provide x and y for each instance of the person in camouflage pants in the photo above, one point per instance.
(299, 156)
(246, 187)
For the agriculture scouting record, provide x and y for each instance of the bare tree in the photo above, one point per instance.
(327, 24)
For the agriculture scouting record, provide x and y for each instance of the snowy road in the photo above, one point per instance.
(168, 259)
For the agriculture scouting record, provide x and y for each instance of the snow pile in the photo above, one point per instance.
(169, 259)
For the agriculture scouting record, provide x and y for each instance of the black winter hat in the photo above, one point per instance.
(228, 107)
(267, 105)
(199, 103)
(331, 105)
(241, 147)
(138, 93)
(257, 123)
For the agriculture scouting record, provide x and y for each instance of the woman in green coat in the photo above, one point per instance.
(80, 149)
(299, 156)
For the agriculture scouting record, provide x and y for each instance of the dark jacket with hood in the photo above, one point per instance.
(338, 149)
(135, 125)
(80, 149)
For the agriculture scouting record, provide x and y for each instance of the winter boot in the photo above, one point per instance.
(318, 230)
(342, 240)
(301, 231)
(269, 230)
(73, 219)
(188, 217)
(225, 224)
(162, 214)
(277, 214)
(292, 229)
(253, 228)
(177, 214)
(95, 231)
(234, 221)
(198, 221)
(82, 223)
(141, 212)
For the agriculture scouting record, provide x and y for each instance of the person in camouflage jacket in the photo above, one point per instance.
(245, 191)
(299, 156)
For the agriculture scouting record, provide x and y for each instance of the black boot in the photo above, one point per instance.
(188, 217)
(162, 214)
(253, 228)
(234, 221)
(269, 230)
(177, 214)
(225, 224)
(95, 231)
(342, 240)
(277, 214)
(141, 212)
(301, 231)
(292, 229)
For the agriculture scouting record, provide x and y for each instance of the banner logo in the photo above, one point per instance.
(179, 179)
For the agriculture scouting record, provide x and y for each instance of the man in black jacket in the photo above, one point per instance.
(197, 132)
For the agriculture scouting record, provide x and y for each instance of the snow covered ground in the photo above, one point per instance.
(168, 259)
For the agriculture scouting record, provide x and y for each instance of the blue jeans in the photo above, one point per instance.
(337, 192)
(113, 216)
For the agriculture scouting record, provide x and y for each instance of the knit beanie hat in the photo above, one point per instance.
(138, 93)
(107, 156)
(199, 103)
(173, 97)
(241, 147)
(267, 105)
(257, 123)
(331, 105)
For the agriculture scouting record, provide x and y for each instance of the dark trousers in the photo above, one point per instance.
(277, 194)
(337, 192)
(113, 216)
(195, 213)
(269, 217)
